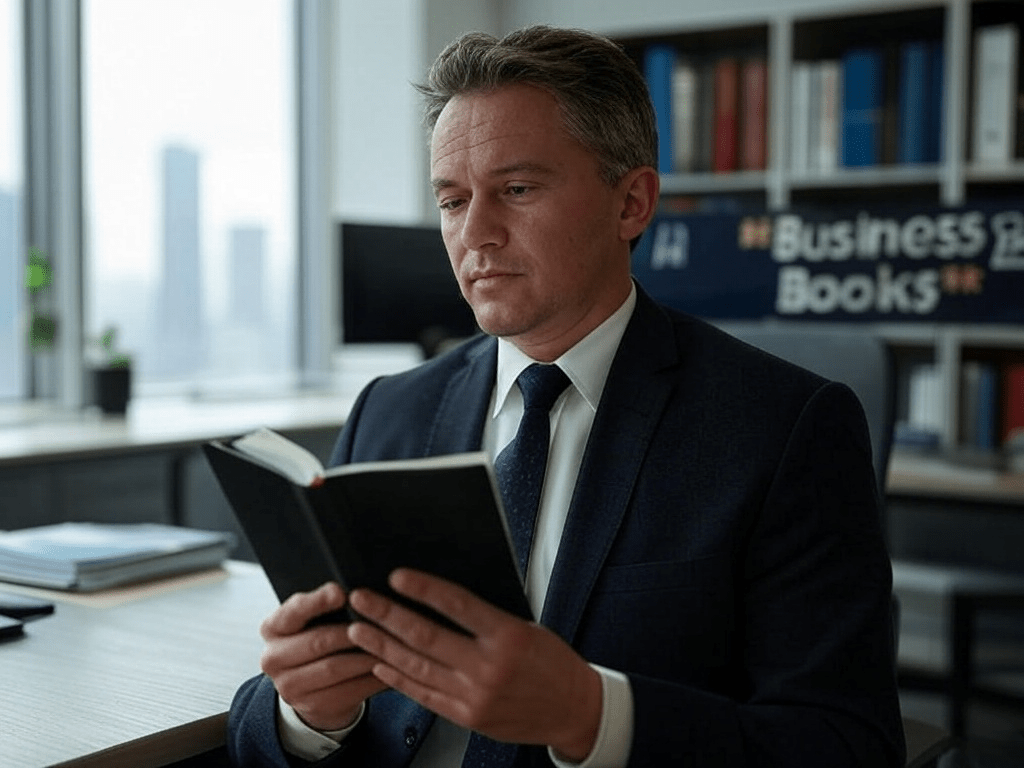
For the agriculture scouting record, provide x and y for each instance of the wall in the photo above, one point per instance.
(618, 18)
(375, 162)
(380, 157)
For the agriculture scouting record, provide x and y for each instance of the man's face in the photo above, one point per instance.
(533, 233)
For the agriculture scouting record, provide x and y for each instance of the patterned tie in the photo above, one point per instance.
(520, 469)
(520, 466)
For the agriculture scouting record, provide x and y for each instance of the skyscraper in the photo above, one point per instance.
(180, 324)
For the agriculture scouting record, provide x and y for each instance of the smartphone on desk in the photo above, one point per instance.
(10, 628)
(23, 607)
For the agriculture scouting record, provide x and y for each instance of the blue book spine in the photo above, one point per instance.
(912, 102)
(987, 405)
(659, 64)
(934, 108)
(862, 106)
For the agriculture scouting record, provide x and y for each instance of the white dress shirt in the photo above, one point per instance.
(587, 365)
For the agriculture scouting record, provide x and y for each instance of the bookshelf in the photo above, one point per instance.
(922, 154)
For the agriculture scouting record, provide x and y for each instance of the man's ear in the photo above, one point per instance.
(640, 188)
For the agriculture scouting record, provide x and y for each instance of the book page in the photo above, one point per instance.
(290, 459)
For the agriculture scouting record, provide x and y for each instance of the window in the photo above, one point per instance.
(12, 250)
(189, 188)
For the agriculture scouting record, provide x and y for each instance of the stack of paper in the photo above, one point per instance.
(91, 556)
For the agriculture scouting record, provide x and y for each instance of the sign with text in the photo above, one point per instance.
(937, 264)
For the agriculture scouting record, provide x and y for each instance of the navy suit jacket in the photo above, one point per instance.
(723, 549)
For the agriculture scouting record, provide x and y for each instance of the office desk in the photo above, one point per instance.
(31, 433)
(139, 677)
(940, 649)
(80, 466)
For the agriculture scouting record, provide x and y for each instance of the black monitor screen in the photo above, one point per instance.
(398, 286)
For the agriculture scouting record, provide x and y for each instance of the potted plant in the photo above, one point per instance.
(111, 374)
(42, 323)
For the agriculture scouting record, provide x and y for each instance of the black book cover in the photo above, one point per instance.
(440, 515)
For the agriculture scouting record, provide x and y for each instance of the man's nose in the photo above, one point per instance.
(482, 226)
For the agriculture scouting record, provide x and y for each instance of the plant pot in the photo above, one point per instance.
(112, 389)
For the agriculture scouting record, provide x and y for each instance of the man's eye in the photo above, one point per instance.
(517, 190)
(449, 205)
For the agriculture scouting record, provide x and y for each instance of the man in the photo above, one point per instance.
(708, 565)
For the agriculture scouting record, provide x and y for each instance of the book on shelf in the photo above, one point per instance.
(813, 126)
(994, 107)
(705, 138)
(659, 66)
(826, 85)
(978, 405)
(800, 120)
(726, 100)
(685, 90)
(863, 101)
(920, 423)
(912, 102)
(936, 107)
(356, 523)
(86, 557)
(1012, 401)
(753, 114)
(890, 103)
(920, 101)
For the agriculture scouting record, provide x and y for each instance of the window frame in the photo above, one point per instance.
(53, 212)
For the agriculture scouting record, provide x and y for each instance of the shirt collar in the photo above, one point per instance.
(586, 364)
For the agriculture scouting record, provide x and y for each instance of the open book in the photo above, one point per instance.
(356, 523)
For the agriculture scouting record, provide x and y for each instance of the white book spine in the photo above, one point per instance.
(995, 93)
(926, 398)
(684, 117)
(827, 146)
(800, 117)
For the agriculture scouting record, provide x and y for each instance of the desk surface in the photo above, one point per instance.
(931, 477)
(31, 433)
(138, 677)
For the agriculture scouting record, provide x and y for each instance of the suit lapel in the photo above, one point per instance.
(634, 397)
(459, 423)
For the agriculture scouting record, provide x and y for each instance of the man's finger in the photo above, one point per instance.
(297, 650)
(295, 612)
(447, 598)
(323, 673)
(408, 626)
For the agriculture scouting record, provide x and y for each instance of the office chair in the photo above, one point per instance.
(855, 357)
(862, 361)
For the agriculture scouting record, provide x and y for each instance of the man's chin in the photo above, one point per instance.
(499, 323)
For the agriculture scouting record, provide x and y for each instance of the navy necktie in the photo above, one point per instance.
(521, 465)
(520, 469)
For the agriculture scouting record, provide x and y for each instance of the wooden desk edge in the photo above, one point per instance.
(160, 749)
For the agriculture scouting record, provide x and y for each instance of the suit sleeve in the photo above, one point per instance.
(816, 659)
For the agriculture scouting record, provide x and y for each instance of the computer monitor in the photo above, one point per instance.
(398, 287)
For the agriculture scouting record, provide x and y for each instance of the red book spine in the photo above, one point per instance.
(726, 115)
(754, 94)
(1013, 399)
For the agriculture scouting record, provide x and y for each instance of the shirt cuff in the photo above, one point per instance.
(300, 740)
(615, 733)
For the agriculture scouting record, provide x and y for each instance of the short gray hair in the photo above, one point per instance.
(602, 94)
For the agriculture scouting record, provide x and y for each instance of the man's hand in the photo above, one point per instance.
(514, 681)
(315, 670)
